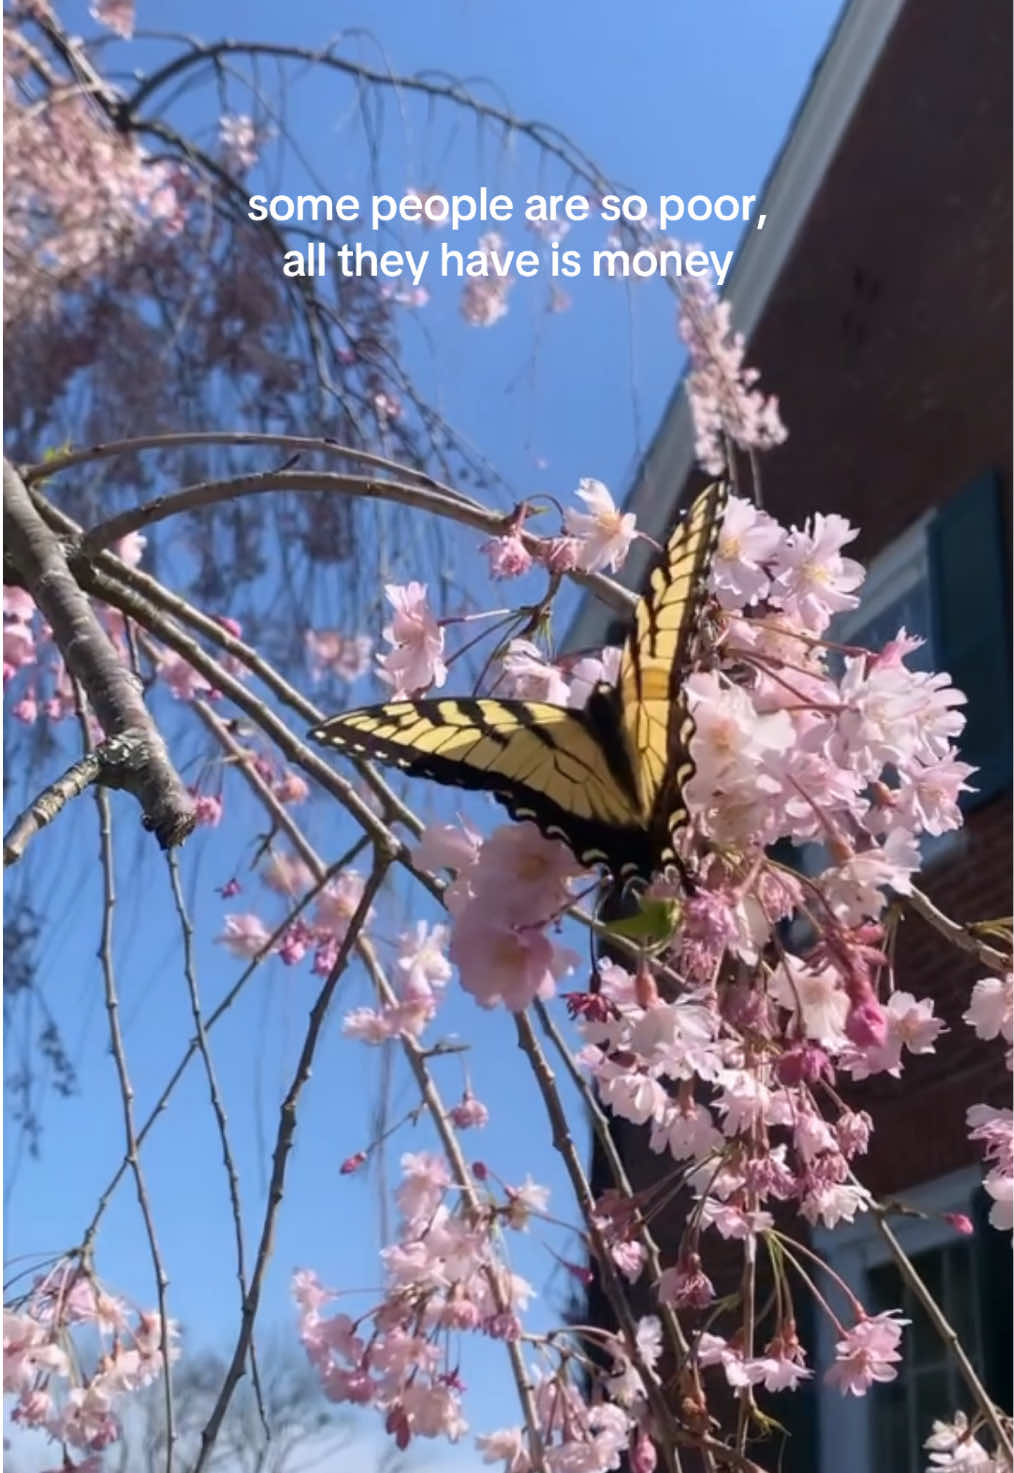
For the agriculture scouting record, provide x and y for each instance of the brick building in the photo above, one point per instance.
(877, 305)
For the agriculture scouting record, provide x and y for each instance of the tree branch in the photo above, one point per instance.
(103, 764)
(36, 558)
(442, 502)
(954, 932)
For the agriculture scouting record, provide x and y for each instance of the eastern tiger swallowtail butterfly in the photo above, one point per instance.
(607, 779)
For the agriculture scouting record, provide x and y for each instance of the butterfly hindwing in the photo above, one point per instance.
(544, 763)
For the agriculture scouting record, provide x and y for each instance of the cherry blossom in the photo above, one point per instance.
(812, 581)
(991, 1011)
(43, 1362)
(508, 556)
(748, 542)
(867, 1353)
(954, 1448)
(118, 15)
(529, 677)
(347, 656)
(484, 298)
(416, 661)
(245, 935)
(506, 964)
(994, 1129)
(603, 532)
(237, 137)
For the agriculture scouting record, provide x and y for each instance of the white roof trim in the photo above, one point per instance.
(791, 186)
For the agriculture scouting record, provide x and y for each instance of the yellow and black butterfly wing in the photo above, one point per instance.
(542, 762)
(653, 710)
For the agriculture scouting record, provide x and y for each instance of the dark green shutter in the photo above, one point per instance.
(968, 561)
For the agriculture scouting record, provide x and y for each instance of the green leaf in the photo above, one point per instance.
(653, 924)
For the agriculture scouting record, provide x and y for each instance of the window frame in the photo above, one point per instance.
(904, 563)
(845, 1423)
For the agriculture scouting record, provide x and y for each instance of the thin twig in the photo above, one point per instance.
(232, 1176)
(417, 1063)
(127, 1097)
(283, 1145)
(562, 1140)
(957, 934)
(213, 1017)
(438, 1113)
(949, 1336)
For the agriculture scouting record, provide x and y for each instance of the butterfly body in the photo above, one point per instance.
(607, 779)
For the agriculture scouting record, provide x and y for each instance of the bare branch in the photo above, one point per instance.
(283, 1145)
(954, 932)
(132, 1155)
(218, 1106)
(443, 502)
(35, 557)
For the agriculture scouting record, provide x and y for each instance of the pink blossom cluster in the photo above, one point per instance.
(954, 1447)
(599, 537)
(78, 195)
(246, 934)
(724, 399)
(46, 688)
(444, 1275)
(329, 651)
(239, 141)
(43, 687)
(71, 1396)
(587, 1427)
(484, 298)
(415, 661)
(506, 893)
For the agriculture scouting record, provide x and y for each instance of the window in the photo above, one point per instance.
(886, 1428)
(898, 592)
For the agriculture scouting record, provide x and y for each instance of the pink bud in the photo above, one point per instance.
(645, 988)
(643, 1455)
(352, 1163)
(866, 1024)
(960, 1223)
(803, 1064)
(560, 554)
(579, 1271)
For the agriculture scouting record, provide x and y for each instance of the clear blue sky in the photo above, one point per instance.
(689, 96)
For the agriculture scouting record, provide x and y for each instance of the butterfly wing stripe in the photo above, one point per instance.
(540, 761)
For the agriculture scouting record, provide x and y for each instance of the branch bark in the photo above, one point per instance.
(35, 556)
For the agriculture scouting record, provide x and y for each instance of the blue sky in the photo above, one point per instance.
(693, 96)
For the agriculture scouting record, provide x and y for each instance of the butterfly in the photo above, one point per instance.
(607, 779)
